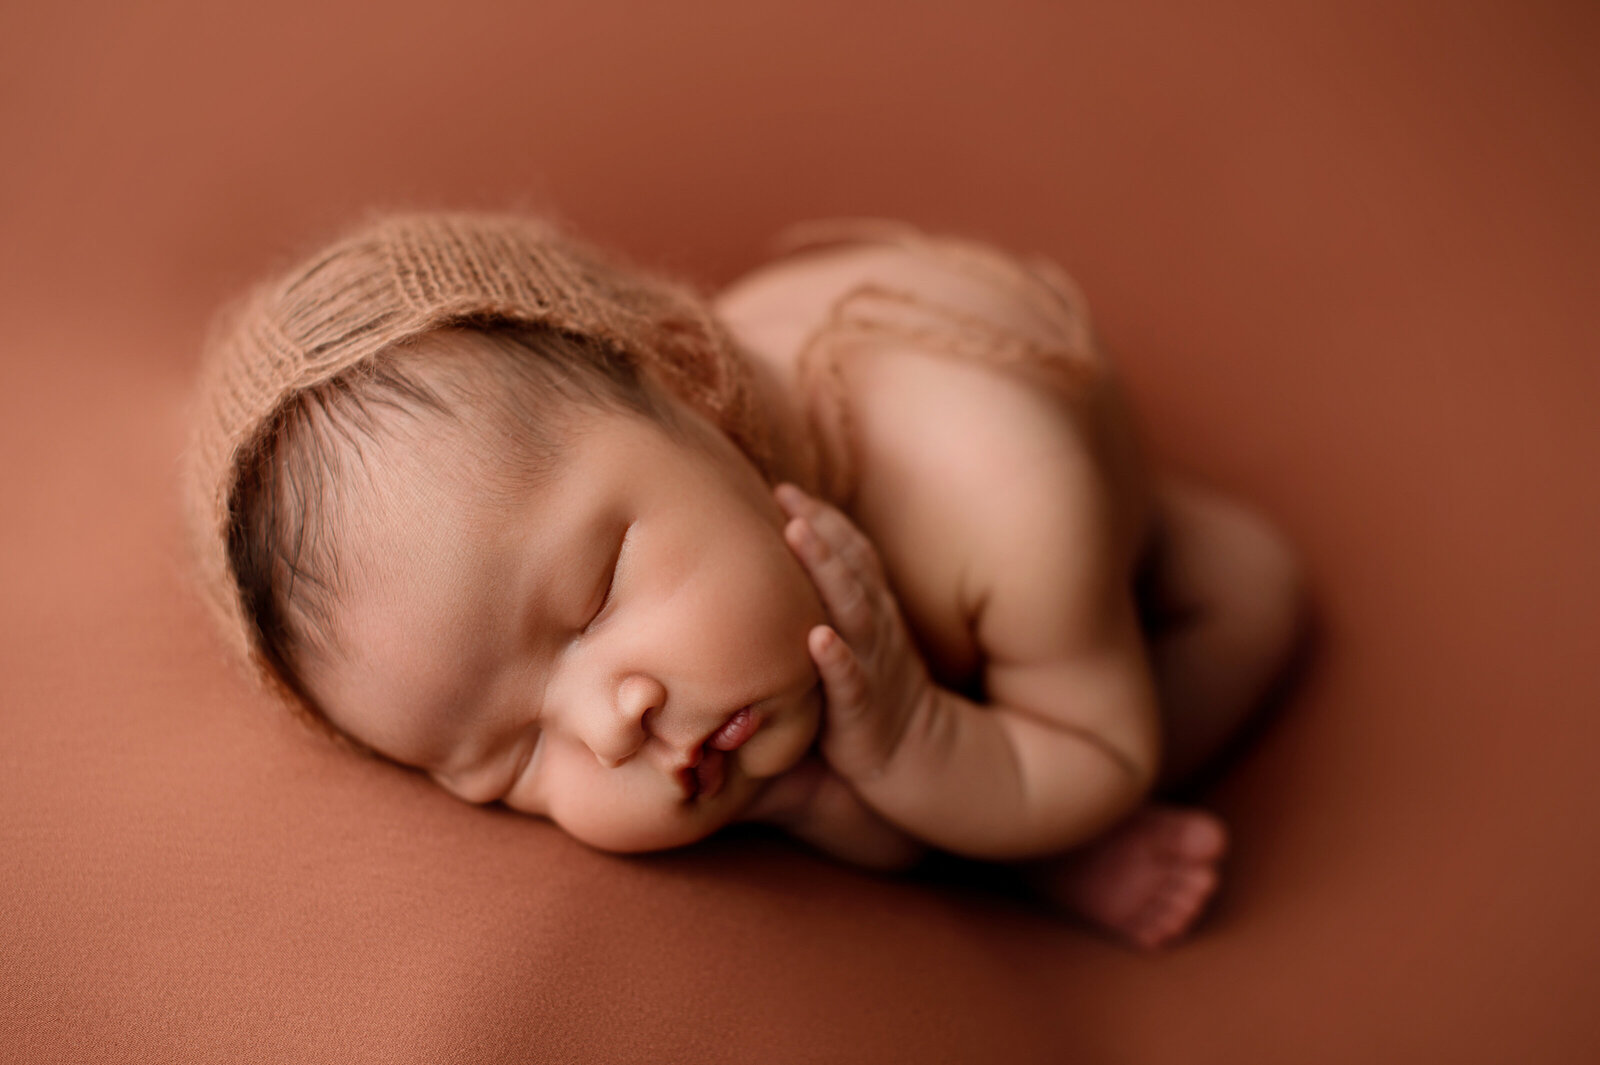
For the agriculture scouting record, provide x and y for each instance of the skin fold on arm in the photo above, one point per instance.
(1065, 747)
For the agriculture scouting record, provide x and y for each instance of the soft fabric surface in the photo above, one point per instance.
(1347, 253)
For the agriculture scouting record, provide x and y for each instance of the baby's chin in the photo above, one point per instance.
(696, 820)
(778, 747)
(689, 826)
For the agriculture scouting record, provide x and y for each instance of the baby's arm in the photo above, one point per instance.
(815, 805)
(1067, 744)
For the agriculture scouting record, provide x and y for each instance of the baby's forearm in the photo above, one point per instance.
(999, 783)
(816, 806)
(1067, 747)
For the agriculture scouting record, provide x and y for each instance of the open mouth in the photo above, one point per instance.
(703, 777)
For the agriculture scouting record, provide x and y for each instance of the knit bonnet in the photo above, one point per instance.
(398, 277)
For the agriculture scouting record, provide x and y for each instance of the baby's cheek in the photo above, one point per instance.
(801, 599)
(613, 810)
(787, 740)
(762, 583)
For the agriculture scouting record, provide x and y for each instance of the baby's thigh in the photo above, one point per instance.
(1223, 602)
(1215, 559)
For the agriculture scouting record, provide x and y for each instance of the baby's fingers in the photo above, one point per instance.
(836, 530)
(849, 742)
(840, 586)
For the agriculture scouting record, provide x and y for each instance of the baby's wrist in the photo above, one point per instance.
(874, 761)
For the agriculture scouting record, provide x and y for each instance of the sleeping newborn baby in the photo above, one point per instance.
(864, 549)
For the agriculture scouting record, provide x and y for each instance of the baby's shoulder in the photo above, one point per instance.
(999, 463)
(985, 483)
(926, 327)
(1008, 530)
(777, 307)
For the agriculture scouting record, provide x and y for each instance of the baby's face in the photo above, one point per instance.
(620, 648)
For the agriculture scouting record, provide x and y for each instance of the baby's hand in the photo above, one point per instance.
(875, 682)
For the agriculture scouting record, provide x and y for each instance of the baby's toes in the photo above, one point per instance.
(1174, 906)
(1147, 880)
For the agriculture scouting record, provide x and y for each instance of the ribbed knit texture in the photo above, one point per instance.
(401, 276)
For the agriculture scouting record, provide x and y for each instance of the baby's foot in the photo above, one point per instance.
(1146, 880)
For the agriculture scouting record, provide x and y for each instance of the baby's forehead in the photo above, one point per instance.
(430, 475)
(438, 566)
(447, 371)
(441, 410)
(432, 483)
(455, 437)
(418, 538)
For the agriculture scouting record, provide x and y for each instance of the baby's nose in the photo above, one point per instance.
(638, 697)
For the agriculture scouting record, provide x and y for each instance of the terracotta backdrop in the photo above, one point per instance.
(1347, 250)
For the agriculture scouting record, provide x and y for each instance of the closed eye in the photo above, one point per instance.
(605, 600)
(611, 584)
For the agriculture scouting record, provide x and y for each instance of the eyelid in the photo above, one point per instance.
(605, 600)
(611, 581)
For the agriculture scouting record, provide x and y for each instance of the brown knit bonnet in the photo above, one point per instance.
(396, 278)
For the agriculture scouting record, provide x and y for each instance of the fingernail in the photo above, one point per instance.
(789, 495)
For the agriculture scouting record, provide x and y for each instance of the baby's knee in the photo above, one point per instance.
(1274, 603)
(1235, 567)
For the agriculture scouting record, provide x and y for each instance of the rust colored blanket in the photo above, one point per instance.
(1347, 254)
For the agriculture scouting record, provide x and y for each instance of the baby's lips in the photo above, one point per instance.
(732, 735)
(703, 776)
(708, 775)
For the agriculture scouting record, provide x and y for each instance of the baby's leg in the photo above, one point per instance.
(1224, 607)
(1146, 881)
(1224, 603)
